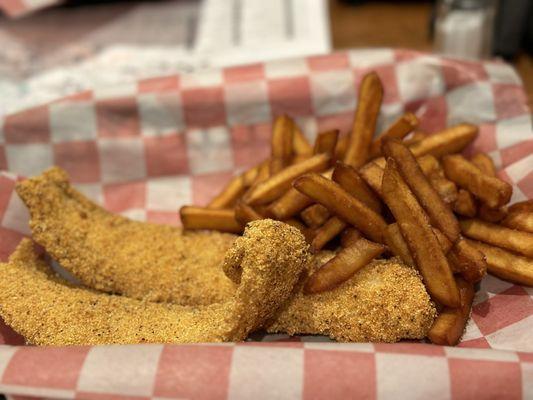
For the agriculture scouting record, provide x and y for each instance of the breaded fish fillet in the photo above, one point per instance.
(383, 302)
(268, 260)
(116, 255)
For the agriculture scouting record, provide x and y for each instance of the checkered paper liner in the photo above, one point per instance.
(19, 8)
(146, 148)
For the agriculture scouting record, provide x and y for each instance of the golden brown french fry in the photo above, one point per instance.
(244, 213)
(340, 149)
(444, 243)
(521, 220)
(372, 174)
(299, 158)
(446, 189)
(323, 235)
(281, 146)
(438, 211)
(428, 163)
(467, 261)
(506, 265)
(399, 247)
(300, 144)
(380, 161)
(398, 130)
(288, 205)
(526, 206)
(263, 172)
(491, 214)
(339, 202)
(492, 191)
(326, 142)
(422, 242)
(233, 190)
(484, 163)
(315, 215)
(451, 322)
(430, 166)
(349, 236)
(449, 141)
(348, 178)
(248, 177)
(416, 137)
(207, 218)
(366, 115)
(340, 268)
(275, 186)
(397, 244)
(465, 204)
(518, 241)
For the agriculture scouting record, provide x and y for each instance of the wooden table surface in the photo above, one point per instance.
(396, 24)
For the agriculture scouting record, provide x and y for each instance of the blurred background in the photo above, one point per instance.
(53, 48)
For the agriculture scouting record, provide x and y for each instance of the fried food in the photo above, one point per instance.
(491, 214)
(372, 174)
(248, 177)
(446, 189)
(521, 220)
(116, 255)
(484, 163)
(468, 261)
(344, 265)
(506, 265)
(385, 301)
(449, 141)
(348, 178)
(416, 137)
(206, 218)
(266, 263)
(300, 144)
(282, 144)
(465, 204)
(140, 270)
(422, 242)
(451, 322)
(366, 116)
(438, 211)
(275, 186)
(518, 241)
(398, 130)
(398, 245)
(492, 191)
(315, 215)
(349, 236)
(244, 213)
(263, 173)
(342, 204)
(323, 235)
(227, 197)
(326, 142)
(526, 206)
(288, 205)
(429, 165)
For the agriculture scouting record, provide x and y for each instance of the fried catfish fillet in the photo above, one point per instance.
(267, 261)
(385, 301)
(116, 255)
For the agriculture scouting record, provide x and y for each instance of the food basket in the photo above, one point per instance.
(146, 148)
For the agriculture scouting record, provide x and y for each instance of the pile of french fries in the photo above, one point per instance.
(406, 194)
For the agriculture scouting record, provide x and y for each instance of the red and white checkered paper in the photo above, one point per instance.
(19, 8)
(145, 149)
